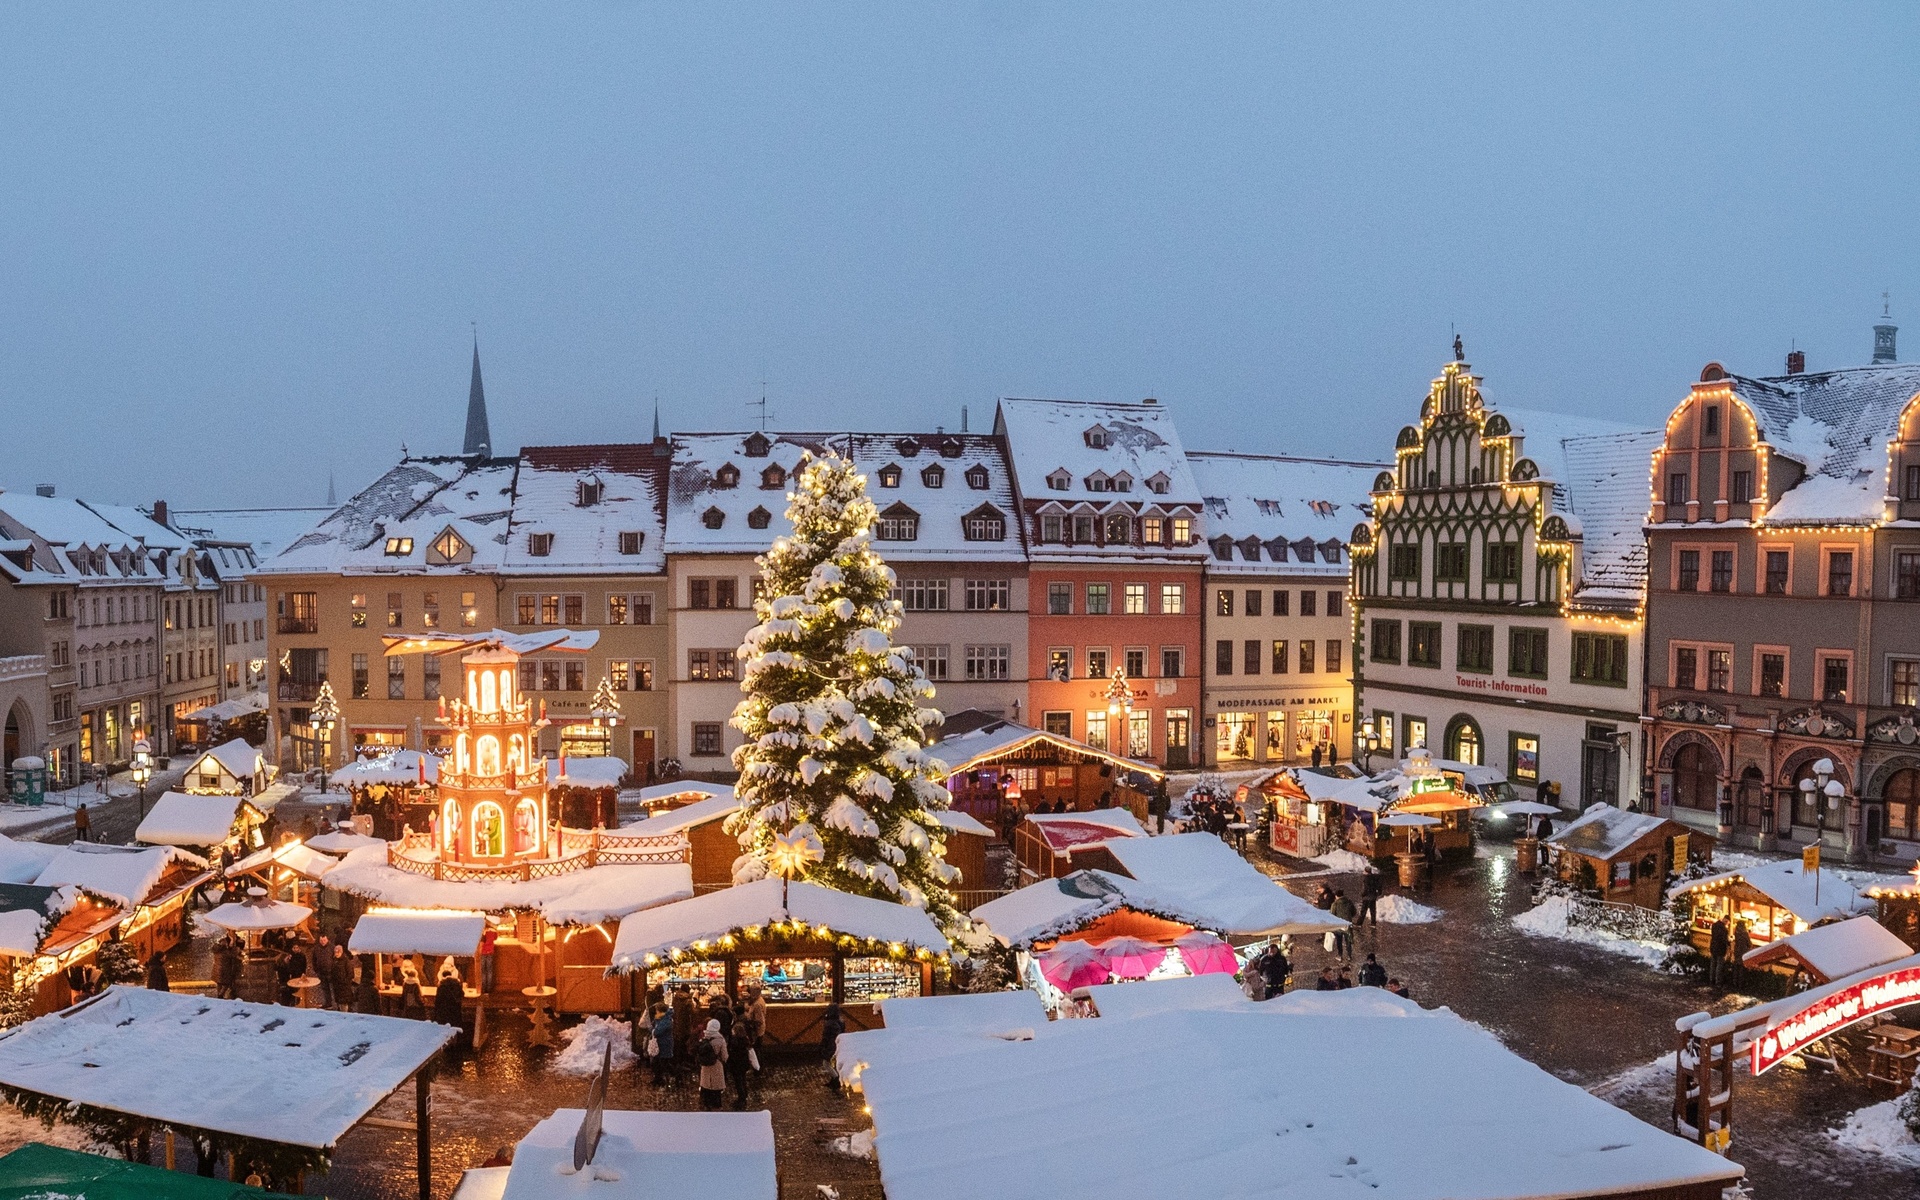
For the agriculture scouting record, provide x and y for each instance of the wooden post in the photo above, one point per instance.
(423, 1126)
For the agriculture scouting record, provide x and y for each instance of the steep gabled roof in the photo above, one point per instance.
(1840, 426)
(1267, 502)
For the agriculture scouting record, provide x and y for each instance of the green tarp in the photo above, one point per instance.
(40, 1172)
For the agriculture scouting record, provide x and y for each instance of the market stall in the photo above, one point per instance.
(294, 866)
(1775, 899)
(1627, 857)
(992, 762)
(1898, 907)
(233, 768)
(42, 1172)
(802, 944)
(586, 791)
(1050, 845)
(711, 849)
(396, 790)
(966, 849)
(1829, 952)
(425, 939)
(204, 823)
(678, 793)
(639, 1156)
(1312, 813)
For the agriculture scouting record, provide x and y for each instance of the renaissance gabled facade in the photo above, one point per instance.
(1498, 588)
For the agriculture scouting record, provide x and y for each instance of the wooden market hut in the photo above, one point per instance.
(1898, 908)
(711, 849)
(231, 768)
(1050, 845)
(586, 791)
(804, 945)
(966, 841)
(1829, 952)
(1775, 899)
(397, 791)
(292, 866)
(1630, 856)
(678, 793)
(1314, 813)
(992, 761)
(204, 823)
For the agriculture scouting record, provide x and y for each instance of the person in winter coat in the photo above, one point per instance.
(340, 970)
(1717, 944)
(1323, 899)
(487, 951)
(1399, 989)
(320, 966)
(82, 825)
(1372, 974)
(832, 1025)
(366, 995)
(226, 969)
(711, 1055)
(157, 972)
(448, 994)
(720, 1009)
(1369, 897)
(1742, 942)
(412, 1003)
(1326, 982)
(684, 1031)
(285, 973)
(1345, 980)
(756, 1013)
(663, 1062)
(1342, 938)
(739, 1046)
(1277, 970)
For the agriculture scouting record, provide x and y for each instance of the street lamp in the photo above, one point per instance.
(1370, 742)
(142, 771)
(1120, 712)
(1823, 782)
(324, 715)
(605, 713)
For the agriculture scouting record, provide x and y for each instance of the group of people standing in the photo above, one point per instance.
(1727, 948)
(715, 1041)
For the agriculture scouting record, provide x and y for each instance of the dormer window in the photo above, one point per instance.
(399, 547)
(1060, 480)
(907, 446)
(1159, 484)
(950, 448)
(934, 476)
(1119, 529)
(977, 478)
(759, 518)
(989, 524)
(1122, 482)
(890, 476)
(897, 524)
(713, 518)
(1222, 547)
(1099, 482)
(539, 545)
(775, 476)
(449, 547)
(631, 540)
(756, 445)
(1096, 437)
(588, 492)
(727, 476)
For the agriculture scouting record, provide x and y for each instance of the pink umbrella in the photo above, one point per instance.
(1131, 957)
(1206, 954)
(1073, 964)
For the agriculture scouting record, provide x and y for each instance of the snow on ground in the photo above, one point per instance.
(1398, 910)
(1878, 1129)
(1635, 1080)
(1344, 860)
(1859, 877)
(1551, 918)
(586, 1044)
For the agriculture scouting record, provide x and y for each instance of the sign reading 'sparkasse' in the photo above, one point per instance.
(1867, 998)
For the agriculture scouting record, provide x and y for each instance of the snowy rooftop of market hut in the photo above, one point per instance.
(1335, 1095)
(302, 1077)
(399, 767)
(1788, 884)
(236, 757)
(591, 771)
(182, 819)
(1064, 830)
(1605, 830)
(125, 875)
(297, 857)
(649, 1156)
(707, 918)
(1842, 948)
(418, 931)
(973, 738)
(679, 820)
(584, 897)
(654, 793)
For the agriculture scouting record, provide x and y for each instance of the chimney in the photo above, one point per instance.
(45, 489)
(963, 418)
(1796, 361)
(160, 512)
(1149, 400)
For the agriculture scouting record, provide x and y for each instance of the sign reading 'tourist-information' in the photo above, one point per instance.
(1868, 998)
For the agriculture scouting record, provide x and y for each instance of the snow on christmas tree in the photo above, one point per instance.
(834, 771)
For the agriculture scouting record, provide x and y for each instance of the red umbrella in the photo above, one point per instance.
(1073, 964)
(1132, 957)
(1206, 954)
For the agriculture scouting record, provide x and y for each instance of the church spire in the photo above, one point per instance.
(479, 441)
(1883, 333)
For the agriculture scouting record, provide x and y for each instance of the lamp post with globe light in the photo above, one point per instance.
(324, 715)
(142, 771)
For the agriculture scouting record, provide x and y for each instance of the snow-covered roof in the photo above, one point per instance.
(267, 530)
(1065, 830)
(954, 821)
(1053, 907)
(1789, 886)
(297, 857)
(626, 485)
(981, 1012)
(235, 757)
(418, 931)
(583, 897)
(1840, 425)
(125, 875)
(649, 1156)
(971, 742)
(181, 819)
(21, 930)
(1142, 997)
(1604, 830)
(398, 766)
(1267, 513)
(23, 861)
(707, 516)
(1203, 875)
(342, 841)
(235, 708)
(709, 917)
(655, 792)
(685, 817)
(937, 473)
(592, 771)
(1842, 948)
(1361, 1100)
(414, 501)
(1108, 454)
(45, 539)
(126, 1051)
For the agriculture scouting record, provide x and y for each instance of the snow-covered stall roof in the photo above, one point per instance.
(593, 771)
(298, 857)
(653, 793)
(1841, 426)
(1202, 874)
(235, 757)
(1053, 907)
(709, 917)
(184, 819)
(649, 1156)
(983, 1012)
(626, 487)
(301, 1077)
(954, 821)
(681, 819)
(22, 862)
(1360, 1102)
(1605, 830)
(1139, 997)
(234, 709)
(418, 931)
(1267, 512)
(583, 897)
(937, 477)
(1065, 830)
(1842, 948)
(26, 913)
(989, 740)
(707, 516)
(397, 767)
(125, 875)
(342, 841)
(407, 509)
(1791, 887)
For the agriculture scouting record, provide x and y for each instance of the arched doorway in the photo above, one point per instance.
(1464, 743)
(16, 736)
(1902, 794)
(1696, 777)
(1753, 806)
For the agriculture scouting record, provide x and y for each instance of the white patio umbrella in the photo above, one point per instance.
(1532, 810)
(1402, 820)
(257, 914)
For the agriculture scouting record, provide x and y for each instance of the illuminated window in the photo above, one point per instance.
(489, 831)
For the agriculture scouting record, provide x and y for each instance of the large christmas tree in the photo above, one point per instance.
(835, 783)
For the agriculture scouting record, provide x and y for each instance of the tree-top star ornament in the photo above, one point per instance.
(835, 783)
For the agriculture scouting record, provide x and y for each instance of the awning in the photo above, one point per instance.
(691, 925)
(434, 932)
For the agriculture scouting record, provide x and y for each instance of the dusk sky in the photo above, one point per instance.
(243, 245)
